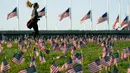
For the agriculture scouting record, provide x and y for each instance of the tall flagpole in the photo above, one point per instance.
(46, 12)
(18, 13)
(84, 27)
(70, 6)
(108, 14)
(128, 14)
(119, 12)
(129, 18)
(91, 14)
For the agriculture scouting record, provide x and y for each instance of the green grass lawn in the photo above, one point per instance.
(91, 52)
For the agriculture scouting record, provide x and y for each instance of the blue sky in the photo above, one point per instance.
(56, 7)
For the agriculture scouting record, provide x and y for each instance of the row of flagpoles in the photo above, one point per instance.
(67, 13)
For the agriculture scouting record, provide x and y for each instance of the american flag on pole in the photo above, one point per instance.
(1, 48)
(105, 61)
(41, 12)
(63, 47)
(78, 69)
(102, 18)
(47, 51)
(104, 52)
(95, 66)
(116, 58)
(18, 59)
(41, 58)
(71, 71)
(28, 70)
(117, 20)
(65, 14)
(124, 54)
(77, 58)
(80, 44)
(87, 16)
(5, 66)
(128, 51)
(35, 51)
(54, 68)
(12, 14)
(32, 61)
(125, 21)
(68, 65)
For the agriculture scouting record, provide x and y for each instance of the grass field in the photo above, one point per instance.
(91, 52)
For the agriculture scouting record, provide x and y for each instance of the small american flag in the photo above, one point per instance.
(78, 69)
(95, 66)
(5, 66)
(63, 48)
(20, 43)
(21, 60)
(41, 58)
(123, 54)
(1, 48)
(71, 71)
(35, 51)
(116, 58)
(12, 14)
(129, 51)
(104, 52)
(73, 51)
(47, 51)
(105, 61)
(18, 59)
(74, 43)
(54, 68)
(32, 61)
(28, 70)
(77, 58)
(68, 65)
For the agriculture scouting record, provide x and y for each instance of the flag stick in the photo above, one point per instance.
(46, 12)
(128, 10)
(128, 56)
(108, 14)
(70, 6)
(56, 28)
(119, 57)
(100, 64)
(91, 15)
(84, 26)
(129, 18)
(82, 58)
